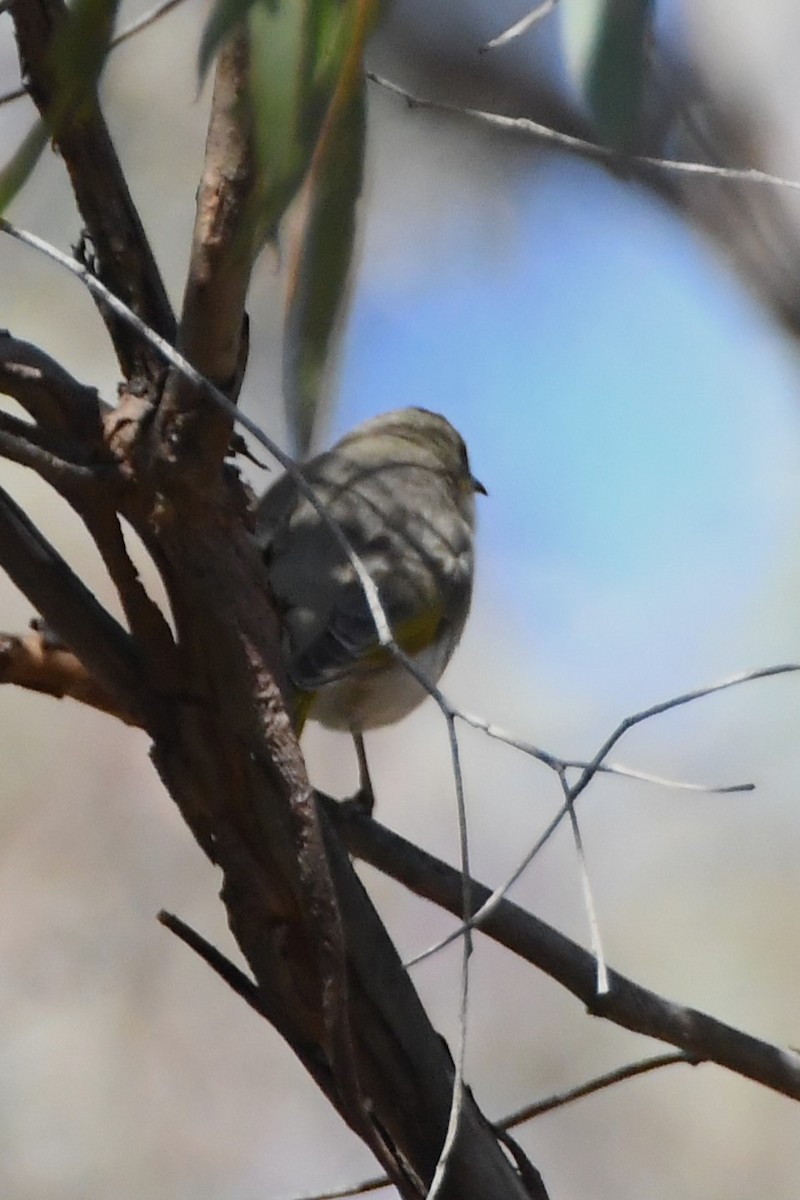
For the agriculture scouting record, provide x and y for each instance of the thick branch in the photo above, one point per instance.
(123, 256)
(315, 946)
(626, 1004)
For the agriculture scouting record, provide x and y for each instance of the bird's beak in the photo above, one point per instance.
(477, 486)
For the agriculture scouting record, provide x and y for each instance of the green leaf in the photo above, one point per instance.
(320, 260)
(78, 53)
(222, 20)
(320, 268)
(281, 98)
(19, 167)
(609, 42)
(306, 98)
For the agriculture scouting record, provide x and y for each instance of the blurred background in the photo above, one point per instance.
(619, 351)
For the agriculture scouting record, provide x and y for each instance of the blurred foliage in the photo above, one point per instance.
(307, 100)
(609, 45)
(77, 55)
(17, 170)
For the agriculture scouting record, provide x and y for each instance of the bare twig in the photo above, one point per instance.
(54, 398)
(656, 710)
(520, 27)
(529, 1175)
(55, 459)
(630, 1071)
(236, 979)
(495, 898)
(144, 22)
(586, 888)
(466, 950)
(34, 663)
(587, 774)
(68, 607)
(556, 763)
(530, 1111)
(257, 998)
(627, 1004)
(147, 623)
(373, 1184)
(582, 147)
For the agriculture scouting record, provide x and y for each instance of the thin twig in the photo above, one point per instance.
(530, 1111)
(146, 621)
(656, 710)
(55, 399)
(586, 888)
(68, 607)
(520, 27)
(20, 443)
(630, 1071)
(627, 1004)
(679, 785)
(456, 1104)
(357, 1189)
(33, 662)
(143, 22)
(235, 978)
(585, 778)
(556, 763)
(496, 898)
(582, 147)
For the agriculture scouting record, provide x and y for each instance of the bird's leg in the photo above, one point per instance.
(364, 797)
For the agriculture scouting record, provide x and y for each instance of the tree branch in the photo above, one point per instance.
(212, 330)
(35, 663)
(121, 250)
(69, 608)
(53, 458)
(54, 398)
(626, 1004)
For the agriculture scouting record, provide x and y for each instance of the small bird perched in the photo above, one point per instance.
(400, 489)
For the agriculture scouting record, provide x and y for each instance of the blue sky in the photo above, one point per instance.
(630, 407)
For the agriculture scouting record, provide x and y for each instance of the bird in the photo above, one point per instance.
(400, 488)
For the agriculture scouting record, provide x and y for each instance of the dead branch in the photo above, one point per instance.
(53, 398)
(626, 1004)
(53, 458)
(34, 663)
(69, 608)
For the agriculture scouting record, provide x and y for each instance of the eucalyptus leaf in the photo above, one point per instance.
(607, 45)
(225, 15)
(17, 170)
(78, 52)
(320, 268)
